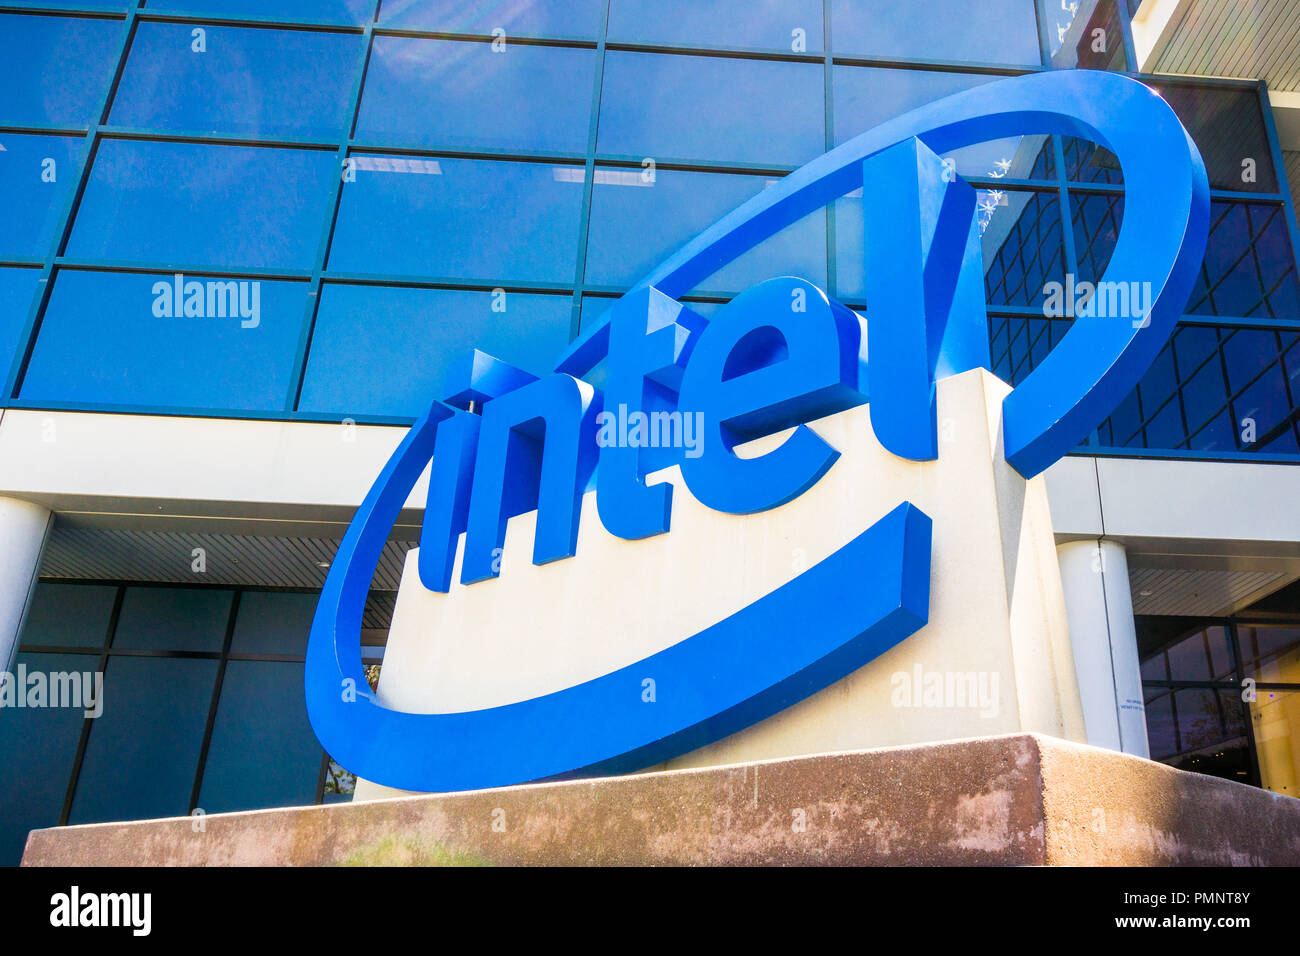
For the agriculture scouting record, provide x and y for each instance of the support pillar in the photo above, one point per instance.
(23, 529)
(1099, 607)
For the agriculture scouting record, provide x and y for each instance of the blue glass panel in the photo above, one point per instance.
(273, 622)
(178, 619)
(711, 108)
(1023, 248)
(36, 173)
(69, 615)
(263, 752)
(1249, 267)
(991, 31)
(867, 96)
(637, 221)
(37, 746)
(571, 18)
(1204, 394)
(1247, 352)
(770, 24)
(441, 92)
(122, 352)
(55, 70)
(1219, 435)
(382, 351)
(143, 752)
(266, 83)
(1089, 163)
(1097, 218)
(459, 218)
(1019, 157)
(17, 287)
(289, 11)
(1086, 34)
(195, 204)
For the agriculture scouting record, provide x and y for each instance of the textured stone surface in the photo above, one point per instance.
(1015, 799)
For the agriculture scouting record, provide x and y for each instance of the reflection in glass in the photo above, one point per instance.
(991, 31)
(438, 93)
(667, 106)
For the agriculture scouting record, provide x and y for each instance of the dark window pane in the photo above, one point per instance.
(1162, 735)
(177, 619)
(55, 70)
(123, 352)
(1228, 129)
(273, 622)
(1086, 34)
(867, 96)
(289, 11)
(1096, 218)
(992, 31)
(459, 218)
(440, 92)
(143, 752)
(379, 351)
(637, 221)
(1202, 720)
(38, 746)
(1201, 656)
(1249, 267)
(572, 18)
(1155, 667)
(263, 752)
(37, 173)
(193, 204)
(711, 108)
(720, 23)
(266, 83)
(69, 615)
(1022, 245)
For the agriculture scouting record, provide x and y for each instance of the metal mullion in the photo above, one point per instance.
(197, 269)
(1011, 185)
(937, 66)
(249, 22)
(310, 310)
(828, 118)
(36, 311)
(1234, 642)
(446, 282)
(1044, 40)
(75, 777)
(588, 178)
(681, 164)
(212, 139)
(69, 11)
(717, 52)
(68, 131)
(1165, 454)
(211, 721)
(414, 33)
(483, 153)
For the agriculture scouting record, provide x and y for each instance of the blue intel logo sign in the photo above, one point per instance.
(678, 390)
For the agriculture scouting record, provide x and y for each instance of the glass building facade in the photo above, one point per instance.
(304, 210)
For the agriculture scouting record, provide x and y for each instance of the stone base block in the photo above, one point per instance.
(1018, 799)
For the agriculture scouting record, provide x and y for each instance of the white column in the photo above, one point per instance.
(23, 529)
(1099, 607)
